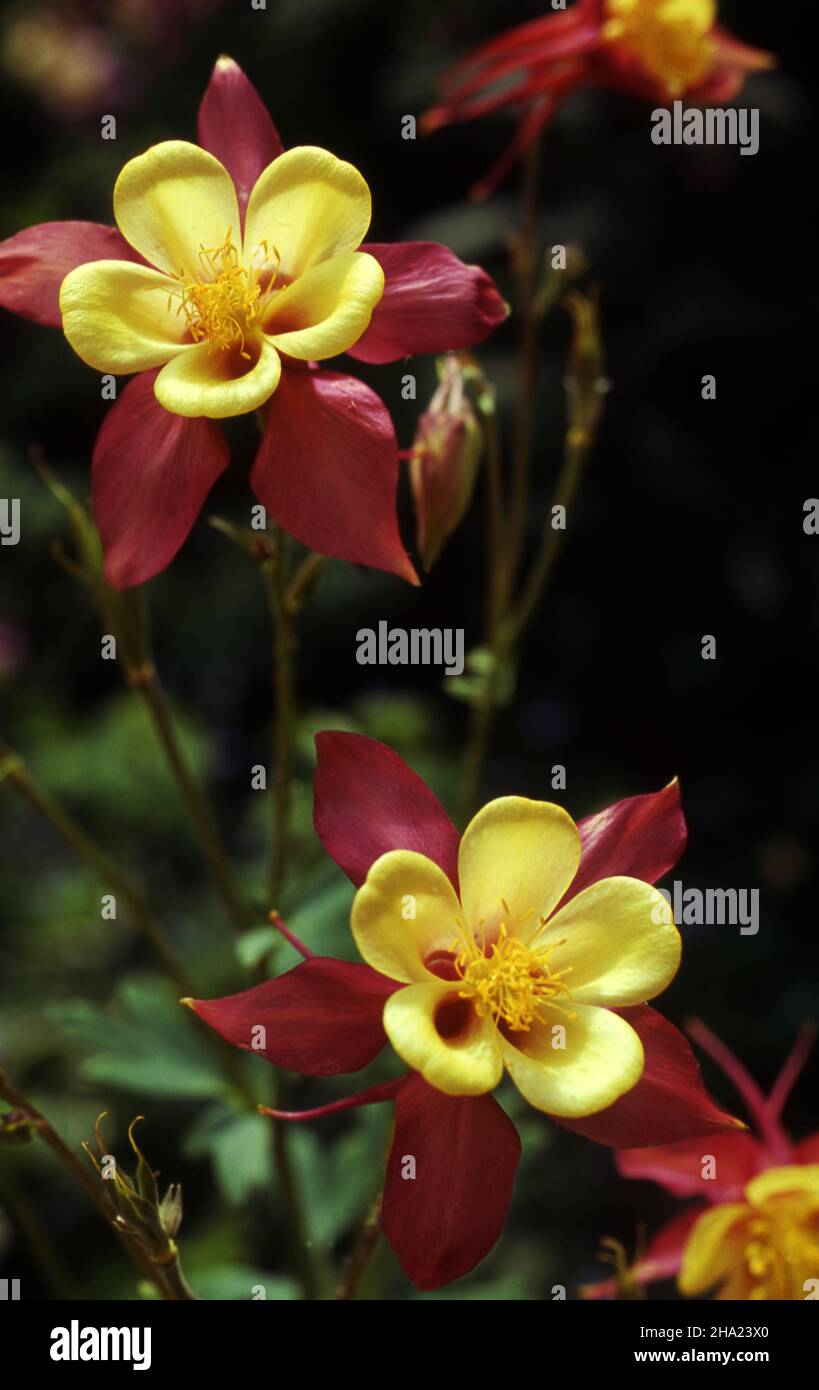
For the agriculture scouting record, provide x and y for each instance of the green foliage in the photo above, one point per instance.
(113, 760)
(238, 1143)
(143, 1043)
(338, 1180)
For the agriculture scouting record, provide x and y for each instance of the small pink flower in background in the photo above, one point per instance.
(13, 649)
(77, 56)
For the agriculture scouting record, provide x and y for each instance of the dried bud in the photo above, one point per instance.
(444, 461)
(16, 1127)
(136, 1203)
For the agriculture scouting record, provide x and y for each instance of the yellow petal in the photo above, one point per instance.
(389, 937)
(602, 1059)
(791, 1180)
(518, 852)
(172, 201)
(714, 1248)
(620, 942)
(441, 1036)
(207, 381)
(327, 309)
(306, 207)
(116, 316)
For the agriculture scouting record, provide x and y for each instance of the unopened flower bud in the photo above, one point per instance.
(444, 461)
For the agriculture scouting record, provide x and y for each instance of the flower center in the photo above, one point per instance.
(511, 981)
(671, 38)
(782, 1249)
(224, 305)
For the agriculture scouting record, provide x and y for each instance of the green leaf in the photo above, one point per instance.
(338, 1182)
(114, 760)
(239, 1146)
(236, 1282)
(143, 1043)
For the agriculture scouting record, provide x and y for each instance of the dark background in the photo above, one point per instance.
(690, 523)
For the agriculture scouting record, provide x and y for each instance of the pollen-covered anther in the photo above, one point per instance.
(782, 1249)
(511, 981)
(224, 305)
(672, 39)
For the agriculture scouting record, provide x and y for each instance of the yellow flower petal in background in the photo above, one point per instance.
(309, 206)
(204, 381)
(795, 1179)
(715, 1248)
(673, 39)
(389, 938)
(327, 309)
(602, 1059)
(621, 945)
(172, 201)
(117, 318)
(518, 852)
(441, 1036)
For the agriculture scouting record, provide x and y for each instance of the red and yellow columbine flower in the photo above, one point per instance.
(499, 975)
(236, 267)
(657, 50)
(754, 1233)
(529, 943)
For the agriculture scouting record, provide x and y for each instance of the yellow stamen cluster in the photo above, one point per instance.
(782, 1247)
(510, 981)
(672, 38)
(227, 301)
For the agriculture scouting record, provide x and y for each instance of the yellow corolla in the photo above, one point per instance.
(215, 308)
(673, 39)
(765, 1247)
(499, 978)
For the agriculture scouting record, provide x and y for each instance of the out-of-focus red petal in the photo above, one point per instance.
(235, 126)
(321, 1018)
(432, 302)
(679, 1167)
(668, 1103)
(536, 41)
(663, 1257)
(151, 472)
(444, 1219)
(641, 837)
(367, 801)
(34, 263)
(807, 1151)
(665, 1250)
(733, 53)
(327, 469)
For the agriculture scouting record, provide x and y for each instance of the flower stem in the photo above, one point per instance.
(145, 679)
(531, 318)
(506, 526)
(577, 449)
(37, 1238)
(14, 770)
(285, 597)
(283, 613)
(295, 1220)
(363, 1251)
(168, 1278)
